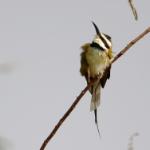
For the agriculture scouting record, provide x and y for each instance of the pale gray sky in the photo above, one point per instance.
(39, 75)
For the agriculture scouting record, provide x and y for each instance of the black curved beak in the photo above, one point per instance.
(96, 28)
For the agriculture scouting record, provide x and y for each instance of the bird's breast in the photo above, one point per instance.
(97, 61)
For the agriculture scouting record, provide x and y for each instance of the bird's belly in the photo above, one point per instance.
(97, 61)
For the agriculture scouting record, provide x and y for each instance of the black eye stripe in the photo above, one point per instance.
(108, 37)
(95, 45)
(105, 43)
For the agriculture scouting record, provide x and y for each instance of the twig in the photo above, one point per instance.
(65, 116)
(130, 44)
(133, 9)
(72, 107)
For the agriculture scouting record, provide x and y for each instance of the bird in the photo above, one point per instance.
(95, 61)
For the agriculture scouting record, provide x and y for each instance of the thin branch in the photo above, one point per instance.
(130, 44)
(133, 9)
(72, 107)
(65, 116)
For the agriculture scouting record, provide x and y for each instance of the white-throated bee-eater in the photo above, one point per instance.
(95, 60)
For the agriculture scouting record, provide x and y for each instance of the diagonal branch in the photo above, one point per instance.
(72, 107)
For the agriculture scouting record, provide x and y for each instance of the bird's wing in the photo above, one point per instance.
(84, 65)
(106, 76)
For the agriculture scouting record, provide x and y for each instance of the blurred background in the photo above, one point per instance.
(39, 75)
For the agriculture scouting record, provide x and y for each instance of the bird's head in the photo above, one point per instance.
(101, 41)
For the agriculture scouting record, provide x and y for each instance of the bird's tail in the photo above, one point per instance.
(96, 121)
(95, 102)
(96, 92)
